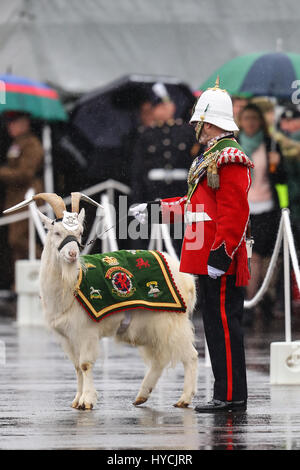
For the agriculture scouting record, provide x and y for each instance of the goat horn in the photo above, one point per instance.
(55, 201)
(76, 199)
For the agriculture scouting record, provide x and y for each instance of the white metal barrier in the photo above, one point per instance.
(160, 234)
(109, 242)
(285, 356)
(289, 250)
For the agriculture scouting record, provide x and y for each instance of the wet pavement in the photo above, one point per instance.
(37, 386)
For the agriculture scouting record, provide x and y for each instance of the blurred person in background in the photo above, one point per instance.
(146, 117)
(147, 114)
(22, 170)
(287, 134)
(287, 131)
(238, 104)
(267, 107)
(162, 156)
(289, 123)
(268, 193)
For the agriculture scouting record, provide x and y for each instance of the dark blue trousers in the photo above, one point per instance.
(222, 310)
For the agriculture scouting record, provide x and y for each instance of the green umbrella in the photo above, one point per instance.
(38, 99)
(258, 74)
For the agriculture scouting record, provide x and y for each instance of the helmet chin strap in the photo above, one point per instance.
(199, 125)
(198, 130)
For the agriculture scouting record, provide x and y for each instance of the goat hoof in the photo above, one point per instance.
(75, 403)
(181, 404)
(139, 401)
(85, 406)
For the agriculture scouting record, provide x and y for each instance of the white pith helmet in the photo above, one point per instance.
(215, 106)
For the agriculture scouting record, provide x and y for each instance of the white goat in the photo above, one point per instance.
(163, 337)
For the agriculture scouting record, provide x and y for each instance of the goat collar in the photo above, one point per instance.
(68, 239)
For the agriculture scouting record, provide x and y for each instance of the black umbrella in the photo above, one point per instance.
(109, 114)
(97, 142)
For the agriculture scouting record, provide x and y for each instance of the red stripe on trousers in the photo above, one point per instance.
(227, 338)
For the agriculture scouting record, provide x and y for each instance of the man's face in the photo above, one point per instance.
(205, 134)
(164, 111)
(18, 127)
(250, 122)
(238, 105)
(295, 125)
(285, 125)
(146, 114)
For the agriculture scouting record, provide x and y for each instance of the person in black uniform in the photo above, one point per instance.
(161, 158)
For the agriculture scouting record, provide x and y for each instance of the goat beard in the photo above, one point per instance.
(69, 275)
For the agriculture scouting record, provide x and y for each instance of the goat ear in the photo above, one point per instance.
(81, 216)
(46, 221)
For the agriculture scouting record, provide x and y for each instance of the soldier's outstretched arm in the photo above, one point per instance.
(166, 211)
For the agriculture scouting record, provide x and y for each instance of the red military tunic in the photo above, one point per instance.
(218, 218)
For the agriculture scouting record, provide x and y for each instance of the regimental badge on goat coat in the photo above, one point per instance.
(216, 217)
(111, 282)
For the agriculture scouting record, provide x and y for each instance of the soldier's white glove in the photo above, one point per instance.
(139, 212)
(214, 272)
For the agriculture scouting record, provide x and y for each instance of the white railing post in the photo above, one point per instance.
(207, 362)
(159, 240)
(37, 223)
(32, 241)
(287, 286)
(251, 303)
(48, 166)
(284, 356)
(292, 248)
(153, 231)
(168, 242)
(31, 231)
(110, 236)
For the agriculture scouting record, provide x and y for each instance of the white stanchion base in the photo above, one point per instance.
(285, 363)
(29, 308)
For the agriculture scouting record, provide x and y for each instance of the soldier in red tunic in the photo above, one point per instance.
(216, 212)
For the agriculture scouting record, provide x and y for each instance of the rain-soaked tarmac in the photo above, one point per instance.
(37, 386)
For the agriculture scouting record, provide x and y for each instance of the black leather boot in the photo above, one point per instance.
(216, 406)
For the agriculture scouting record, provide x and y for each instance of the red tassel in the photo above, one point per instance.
(242, 271)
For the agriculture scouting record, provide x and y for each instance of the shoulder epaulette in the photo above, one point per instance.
(233, 155)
